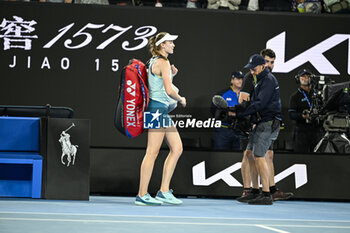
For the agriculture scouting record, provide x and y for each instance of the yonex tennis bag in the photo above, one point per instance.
(133, 99)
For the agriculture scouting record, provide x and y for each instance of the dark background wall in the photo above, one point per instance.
(210, 46)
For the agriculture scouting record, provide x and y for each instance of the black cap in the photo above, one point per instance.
(304, 72)
(254, 61)
(237, 74)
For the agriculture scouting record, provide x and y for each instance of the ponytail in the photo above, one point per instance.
(155, 50)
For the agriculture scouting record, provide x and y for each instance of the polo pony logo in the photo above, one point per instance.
(67, 148)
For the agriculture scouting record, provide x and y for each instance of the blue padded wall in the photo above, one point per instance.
(20, 174)
(19, 134)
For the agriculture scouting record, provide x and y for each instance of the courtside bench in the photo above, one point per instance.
(20, 161)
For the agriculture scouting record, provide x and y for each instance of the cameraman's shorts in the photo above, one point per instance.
(262, 136)
(244, 144)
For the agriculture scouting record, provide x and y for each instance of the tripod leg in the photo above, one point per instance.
(320, 142)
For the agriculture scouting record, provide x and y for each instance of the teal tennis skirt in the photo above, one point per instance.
(160, 117)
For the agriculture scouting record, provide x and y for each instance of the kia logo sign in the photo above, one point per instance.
(314, 55)
(199, 175)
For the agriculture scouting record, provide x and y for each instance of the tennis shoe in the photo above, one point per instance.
(147, 200)
(168, 197)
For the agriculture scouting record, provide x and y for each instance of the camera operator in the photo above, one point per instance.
(226, 138)
(265, 111)
(248, 170)
(306, 133)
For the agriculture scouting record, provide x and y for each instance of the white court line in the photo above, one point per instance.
(309, 226)
(179, 217)
(122, 221)
(170, 223)
(272, 229)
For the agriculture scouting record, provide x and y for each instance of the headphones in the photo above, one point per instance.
(297, 78)
(301, 73)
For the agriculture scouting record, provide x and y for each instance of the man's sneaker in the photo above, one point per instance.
(147, 200)
(261, 200)
(248, 197)
(245, 193)
(279, 195)
(168, 197)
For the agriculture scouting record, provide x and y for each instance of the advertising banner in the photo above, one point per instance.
(218, 174)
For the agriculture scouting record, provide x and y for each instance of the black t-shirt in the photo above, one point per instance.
(299, 101)
(248, 84)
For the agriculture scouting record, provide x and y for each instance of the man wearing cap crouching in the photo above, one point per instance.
(306, 133)
(265, 111)
(226, 138)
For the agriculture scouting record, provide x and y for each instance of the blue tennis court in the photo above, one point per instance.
(119, 214)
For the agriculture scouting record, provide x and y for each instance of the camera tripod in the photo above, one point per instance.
(333, 142)
(335, 139)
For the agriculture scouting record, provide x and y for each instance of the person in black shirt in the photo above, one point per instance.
(306, 134)
(251, 175)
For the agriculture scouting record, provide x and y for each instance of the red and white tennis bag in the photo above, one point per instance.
(133, 99)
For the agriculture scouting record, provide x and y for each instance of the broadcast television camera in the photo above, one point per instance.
(330, 105)
(240, 125)
(330, 108)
